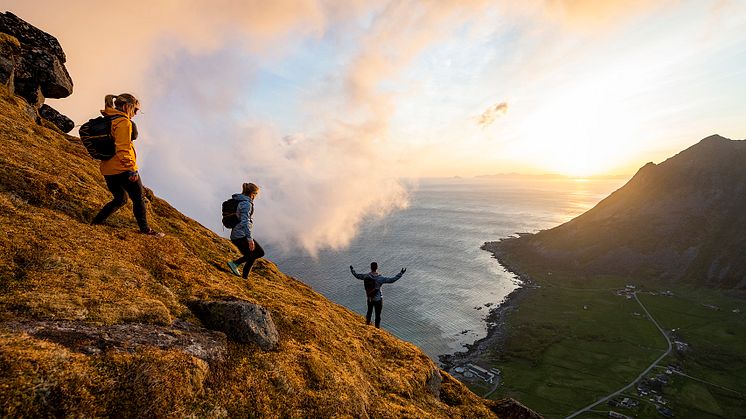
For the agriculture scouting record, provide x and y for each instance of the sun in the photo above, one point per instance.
(582, 130)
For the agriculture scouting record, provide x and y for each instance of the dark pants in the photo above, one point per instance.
(378, 305)
(248, 256)
(120, 186)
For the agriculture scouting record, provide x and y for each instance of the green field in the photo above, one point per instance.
(567, 346)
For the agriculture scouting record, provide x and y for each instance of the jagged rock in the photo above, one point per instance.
(204, 344)
(242, 321)
(41, 58)
(511, 409)
(30, 91)
(9, 50)
(62, 122)
(433, 382)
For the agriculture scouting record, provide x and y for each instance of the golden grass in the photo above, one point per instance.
(54, 265)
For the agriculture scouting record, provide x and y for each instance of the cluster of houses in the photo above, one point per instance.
(649, 389)
(627, 291)
(678, 343)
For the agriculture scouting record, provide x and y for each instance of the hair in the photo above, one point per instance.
(118, 101)
(249, 188)
(373, 266)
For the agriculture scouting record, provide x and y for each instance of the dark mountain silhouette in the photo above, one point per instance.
(682, 220)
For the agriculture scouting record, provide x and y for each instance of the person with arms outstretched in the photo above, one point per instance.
(372, 282)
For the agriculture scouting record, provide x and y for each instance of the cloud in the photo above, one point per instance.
(318, 183)
(193, 64)
(316, 188)
(594, 15)
(491, 114)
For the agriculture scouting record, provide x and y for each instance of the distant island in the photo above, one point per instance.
(514, 175)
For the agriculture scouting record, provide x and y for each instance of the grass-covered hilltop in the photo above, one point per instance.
(636, 306)
(100, 320)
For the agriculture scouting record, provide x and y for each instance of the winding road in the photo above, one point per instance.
(639, 377)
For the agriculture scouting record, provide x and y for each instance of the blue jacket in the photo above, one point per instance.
(379, 280)
(245, 213)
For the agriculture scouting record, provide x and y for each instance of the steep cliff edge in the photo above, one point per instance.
(683, 220)
(104, 321)
(94, 319)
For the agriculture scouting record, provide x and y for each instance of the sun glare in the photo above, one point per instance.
(582, 130)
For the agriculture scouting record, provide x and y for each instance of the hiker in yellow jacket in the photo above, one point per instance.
(120, 171)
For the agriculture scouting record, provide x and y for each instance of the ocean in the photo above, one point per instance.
(450, 284)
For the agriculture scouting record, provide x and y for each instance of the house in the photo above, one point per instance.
(681, 346)
(664, 411)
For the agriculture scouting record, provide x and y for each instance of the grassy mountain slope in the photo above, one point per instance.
(681, 220)
(56, 269)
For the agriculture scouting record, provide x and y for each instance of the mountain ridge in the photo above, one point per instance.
(683, 219)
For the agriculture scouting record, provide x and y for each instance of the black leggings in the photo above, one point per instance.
(378, 305)
(120, 186)
(248, 256)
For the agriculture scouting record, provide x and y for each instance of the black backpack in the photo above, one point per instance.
(97, 139)
(370, 287)
(230, 213)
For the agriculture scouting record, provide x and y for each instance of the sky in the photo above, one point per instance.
(336, 108)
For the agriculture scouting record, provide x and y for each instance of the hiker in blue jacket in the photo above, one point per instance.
(241, 233)
(372, 282)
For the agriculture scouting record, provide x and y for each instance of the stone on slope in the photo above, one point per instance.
(62, 122)
(242, 321)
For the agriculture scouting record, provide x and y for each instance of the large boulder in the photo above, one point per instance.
(241, 321)
(42, 58)
(62, 122)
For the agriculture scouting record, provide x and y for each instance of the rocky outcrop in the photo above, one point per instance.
(32, 65)
(433, 382)
(511, 409)
(42, 59)
(242, 321)
(62, 122)
(88, 339)
(9, 51)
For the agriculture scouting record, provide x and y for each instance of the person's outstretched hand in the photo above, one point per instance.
(403, 270)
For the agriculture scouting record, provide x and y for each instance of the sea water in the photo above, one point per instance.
(450, 284)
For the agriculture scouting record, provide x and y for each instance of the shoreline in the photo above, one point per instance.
(477, 352)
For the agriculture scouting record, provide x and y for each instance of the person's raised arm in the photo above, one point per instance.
(393, 278)
(356, 275)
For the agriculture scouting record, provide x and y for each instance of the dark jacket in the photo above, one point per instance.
(378, 279)
(245, 213)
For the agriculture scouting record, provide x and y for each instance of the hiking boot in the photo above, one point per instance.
(154, 233)
(234, 268)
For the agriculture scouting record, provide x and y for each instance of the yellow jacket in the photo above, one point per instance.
(125, 158)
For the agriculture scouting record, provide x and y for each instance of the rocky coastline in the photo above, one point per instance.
(481, 351)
